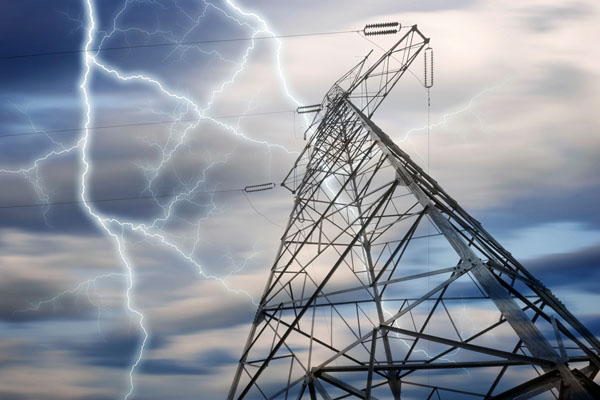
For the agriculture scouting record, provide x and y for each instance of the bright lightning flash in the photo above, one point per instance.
(119, 229)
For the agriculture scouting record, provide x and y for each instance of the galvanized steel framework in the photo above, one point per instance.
(384, 287)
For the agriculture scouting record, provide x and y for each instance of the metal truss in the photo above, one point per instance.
(384, 287)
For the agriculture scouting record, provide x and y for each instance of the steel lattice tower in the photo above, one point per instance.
(354, 308)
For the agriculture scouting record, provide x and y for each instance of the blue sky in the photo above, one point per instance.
(514, 138)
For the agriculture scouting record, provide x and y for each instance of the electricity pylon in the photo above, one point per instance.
(384, 287)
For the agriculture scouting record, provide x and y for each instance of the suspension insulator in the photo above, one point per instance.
(309, 109)
(382, 28)
(259, 188)
(428, 67)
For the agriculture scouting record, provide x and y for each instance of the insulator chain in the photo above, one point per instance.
(385, 32)
(428, 67)
(309, 109)
(259, 188)
(382, 25)
(379, 28)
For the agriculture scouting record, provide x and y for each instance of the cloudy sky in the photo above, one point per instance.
(170, 255)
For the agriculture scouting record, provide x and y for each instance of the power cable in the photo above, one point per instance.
(71, 202)
(258, 212)
(67, 130)
(99, 49)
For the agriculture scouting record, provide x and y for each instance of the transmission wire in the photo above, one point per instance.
(99, 49)
(168, 121)
(259, 213)
(71, 202)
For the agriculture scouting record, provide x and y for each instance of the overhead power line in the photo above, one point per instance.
(247, 189)
(169, 44)
(167, 121)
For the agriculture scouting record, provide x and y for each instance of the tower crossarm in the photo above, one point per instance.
(366, 87)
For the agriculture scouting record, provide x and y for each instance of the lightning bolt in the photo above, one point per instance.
(448, 117)
(84, 285)
(85, 170)
(468, 107)
(119, 230)
(116, 228)
(31, 173)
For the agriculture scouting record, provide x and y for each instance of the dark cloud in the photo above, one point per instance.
(229, 313)
(174, 367)
(16, 352)
(557, 80)
(543, 19)
(580, 269)
(51, 396)
(18, 298)
(113, 350)
(15, 396)
(592, 322)
(543, 207)
(218, 357)
(117, 349)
